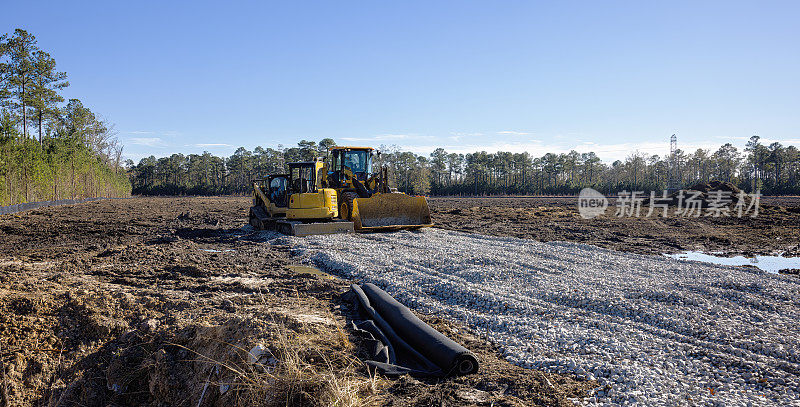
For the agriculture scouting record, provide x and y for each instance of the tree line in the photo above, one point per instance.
(773, 169)
(207, 174)
(50, 149)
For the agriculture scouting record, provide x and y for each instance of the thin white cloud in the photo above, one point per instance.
(165, 133)
(384, 137)
(457, 137)
(785, 142)
(393, 136)
(537, 148)
(729, 138)
(462, 134)
(148, 141)
(513, 133)
(135, 157)
(212, 145)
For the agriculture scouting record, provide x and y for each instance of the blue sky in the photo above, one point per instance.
(611, 77)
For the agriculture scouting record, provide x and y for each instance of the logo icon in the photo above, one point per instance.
(591, 203)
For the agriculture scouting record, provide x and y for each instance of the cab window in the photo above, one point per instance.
(278, 184)
(357, 161)
(303, 179)
(335, 160)
(277, 191)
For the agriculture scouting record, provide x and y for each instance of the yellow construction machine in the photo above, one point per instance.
(365, 197)
(338, 196)
(296, 203)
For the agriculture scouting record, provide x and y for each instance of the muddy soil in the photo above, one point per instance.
(157, 301)
(774, 230)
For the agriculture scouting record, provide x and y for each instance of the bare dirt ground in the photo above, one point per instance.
(775, 229)
(157, 301)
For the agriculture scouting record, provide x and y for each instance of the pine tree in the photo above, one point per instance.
(21, 48)
(45, 86)
(324, 145)
(5, 74)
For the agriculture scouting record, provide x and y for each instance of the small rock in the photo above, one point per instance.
(148, 325)
(258, 354)
(229, 306)
(473, 395)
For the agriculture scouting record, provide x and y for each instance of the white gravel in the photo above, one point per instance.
(652, 330)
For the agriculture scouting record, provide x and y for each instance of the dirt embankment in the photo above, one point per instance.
(554, 218)
(158, 301)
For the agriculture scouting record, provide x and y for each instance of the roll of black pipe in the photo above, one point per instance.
(449, 356)
(394, 356)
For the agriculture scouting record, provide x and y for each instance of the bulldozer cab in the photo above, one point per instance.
(279, 189)
(306, 177)
(302, 177)
(356, 160)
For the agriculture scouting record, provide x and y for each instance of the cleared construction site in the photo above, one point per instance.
(399, 204)
(151, 300)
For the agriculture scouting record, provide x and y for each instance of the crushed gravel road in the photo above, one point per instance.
(649, 329)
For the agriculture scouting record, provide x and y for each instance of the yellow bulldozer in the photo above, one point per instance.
(340, 195)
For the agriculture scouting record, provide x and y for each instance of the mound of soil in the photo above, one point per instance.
(715, 185)
(707, 194)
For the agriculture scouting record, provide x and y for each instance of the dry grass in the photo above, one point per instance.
(308, 374)
(307, 369)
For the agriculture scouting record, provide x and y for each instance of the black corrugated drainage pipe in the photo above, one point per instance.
(399, 343)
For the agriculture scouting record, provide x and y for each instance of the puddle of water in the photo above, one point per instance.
(309, 270)
(771, 264)
(217, 251)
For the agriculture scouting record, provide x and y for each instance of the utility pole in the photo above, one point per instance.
(674, 182)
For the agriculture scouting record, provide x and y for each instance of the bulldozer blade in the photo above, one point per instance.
(390, 211)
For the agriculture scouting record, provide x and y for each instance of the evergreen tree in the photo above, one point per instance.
(5, 76)
(44, 88)
(21, 48)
